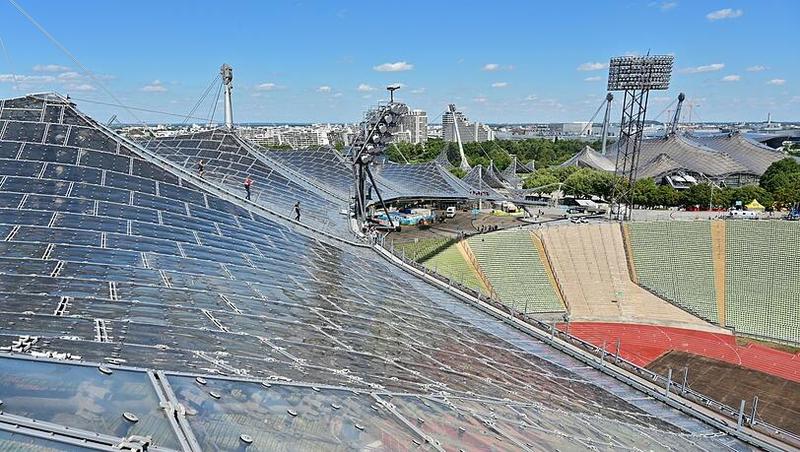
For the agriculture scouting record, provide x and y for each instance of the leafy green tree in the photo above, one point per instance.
(750, 192)
(541, 178)
(646, 193)
(698, 195)
(779, 174)
(458, 172)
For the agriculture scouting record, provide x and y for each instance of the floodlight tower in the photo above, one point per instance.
(376, 134)
(606, 119)
(635, 76)
(226, 72)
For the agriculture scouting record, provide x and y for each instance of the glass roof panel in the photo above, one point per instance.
(84, 397)
(288, 418)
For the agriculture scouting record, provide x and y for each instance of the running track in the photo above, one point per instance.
(642, 344)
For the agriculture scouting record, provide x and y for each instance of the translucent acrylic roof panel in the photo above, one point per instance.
(425, 180)
(86, 398)
(229, 160)
(226, 415)
(689, 155)
(323, 165)
(16, 440)
(753, 155)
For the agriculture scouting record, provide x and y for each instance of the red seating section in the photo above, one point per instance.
(642, 344)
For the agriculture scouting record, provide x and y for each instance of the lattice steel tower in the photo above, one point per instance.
(636, 76)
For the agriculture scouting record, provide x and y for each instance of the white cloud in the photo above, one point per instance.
(596, 78)
(324, 89)
(71, 75)
(756, 68)
(338, 95)
(590, 66)
(364, 88)
(155, 87)
(700, 69)
(394, 67)
(266, 87)
(82, 87)
(480, 99)
(418, 91)
(491, 67)
(777, 82)
(499, 84)
(532, 98)
(731, 78)
(726, 13)
(20, 78)
(49, 68)
(666, 6)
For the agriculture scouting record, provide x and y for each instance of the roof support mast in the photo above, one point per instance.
(227, 82)
(677, 118)
(606, 119)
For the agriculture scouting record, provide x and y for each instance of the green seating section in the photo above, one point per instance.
(451, 263)
(762, 295)
(674, 260)
(421, 250)
(512, 264)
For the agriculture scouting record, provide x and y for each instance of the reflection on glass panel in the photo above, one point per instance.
(105, 160)
(91, 139)
(22, 443)
(84, 398)
(19, 168)
(28, 185)
(49, 153)
(56, 134)
(453, 429)
(227, 415)
(24, 131)
(8, 149)
(119, 180)
(73, 173)
(52, 113)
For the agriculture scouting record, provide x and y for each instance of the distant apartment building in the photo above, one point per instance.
(413, 128)
(293, 136)
(470, 131)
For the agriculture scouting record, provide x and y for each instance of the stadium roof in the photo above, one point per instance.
(751, 154)
(144, 303)
(688, 156)
(589, 158)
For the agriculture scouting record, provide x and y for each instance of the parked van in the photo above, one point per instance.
(450, 212)
(744, 214)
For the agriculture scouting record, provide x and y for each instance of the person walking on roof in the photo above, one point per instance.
(296, 211)
(247, 183)
(201, 167)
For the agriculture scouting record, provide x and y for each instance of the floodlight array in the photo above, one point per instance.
(651, 72)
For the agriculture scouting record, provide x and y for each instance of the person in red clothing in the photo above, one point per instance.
(247, 183)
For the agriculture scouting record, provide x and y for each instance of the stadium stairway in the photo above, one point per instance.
(590, 264)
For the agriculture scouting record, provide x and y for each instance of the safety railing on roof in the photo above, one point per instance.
(604, 357)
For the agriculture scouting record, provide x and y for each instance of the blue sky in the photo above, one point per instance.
(309, 61)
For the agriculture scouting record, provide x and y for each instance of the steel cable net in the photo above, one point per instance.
(267, 337)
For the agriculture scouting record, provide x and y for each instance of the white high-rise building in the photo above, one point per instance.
(469, 131)
(416, 124)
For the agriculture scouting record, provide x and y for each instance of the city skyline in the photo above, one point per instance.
(313, 62)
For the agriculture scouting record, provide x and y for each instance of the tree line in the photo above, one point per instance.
(778, 187)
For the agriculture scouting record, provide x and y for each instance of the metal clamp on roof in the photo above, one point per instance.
(135, 443)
